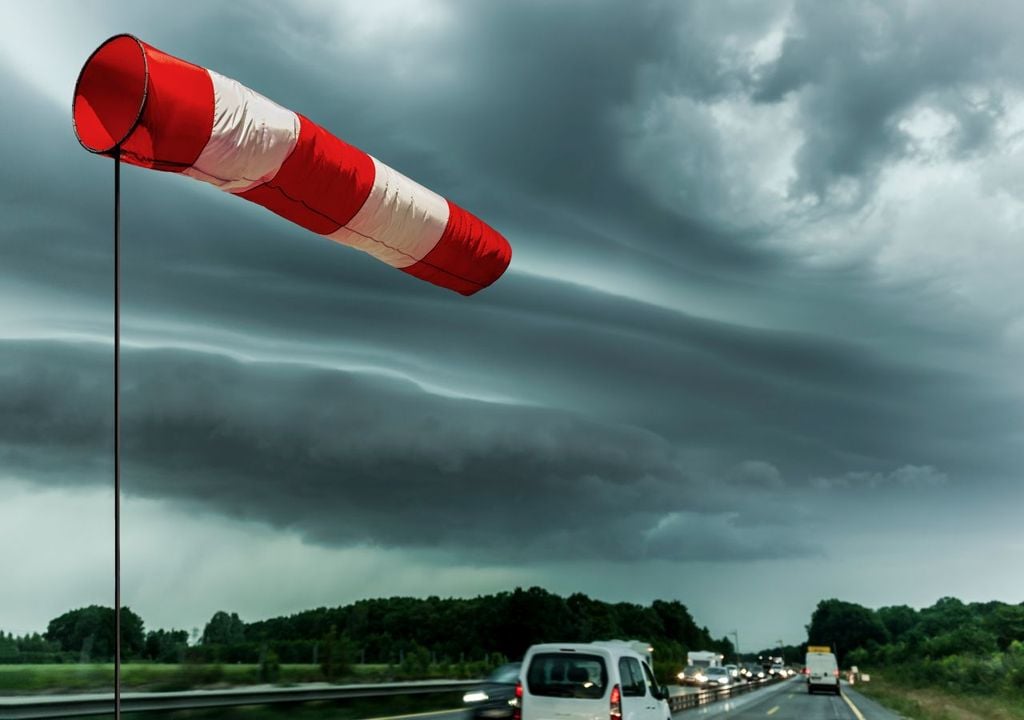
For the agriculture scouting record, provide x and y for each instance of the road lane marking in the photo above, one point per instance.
(776, 709)
(853, 707)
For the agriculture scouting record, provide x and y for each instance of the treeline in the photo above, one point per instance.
(963, 647)
(413, 634)
(87, 635)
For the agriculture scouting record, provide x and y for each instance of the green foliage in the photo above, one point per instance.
(337, 655)
(898, 620)
(960, 648)
(270, 668)
(166, 646)
(845, 626)
(459, 633)
(224, 629)
(90, 632)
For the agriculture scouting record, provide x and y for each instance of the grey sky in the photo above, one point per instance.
(762, 327)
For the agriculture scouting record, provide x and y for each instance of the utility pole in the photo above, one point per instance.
(736, 645)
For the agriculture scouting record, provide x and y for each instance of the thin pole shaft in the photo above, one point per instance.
(117, 433)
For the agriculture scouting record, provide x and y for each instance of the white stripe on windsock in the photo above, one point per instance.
(251, 137)
(400, 222)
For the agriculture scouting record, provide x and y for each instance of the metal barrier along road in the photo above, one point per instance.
(63, 706)
(692, 700)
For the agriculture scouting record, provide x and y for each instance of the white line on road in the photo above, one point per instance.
(853, 707)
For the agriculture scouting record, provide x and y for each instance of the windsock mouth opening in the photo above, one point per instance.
(110, 94)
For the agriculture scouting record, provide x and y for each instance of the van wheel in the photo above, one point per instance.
(810, 691)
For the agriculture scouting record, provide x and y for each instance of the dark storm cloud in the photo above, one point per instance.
(349, 458)
(859, 65)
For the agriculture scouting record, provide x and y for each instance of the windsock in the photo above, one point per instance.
(154, 110)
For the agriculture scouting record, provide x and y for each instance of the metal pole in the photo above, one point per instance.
(117, 432)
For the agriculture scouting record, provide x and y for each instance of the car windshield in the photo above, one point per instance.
(568, 675)
(505, 674)
(716, 671)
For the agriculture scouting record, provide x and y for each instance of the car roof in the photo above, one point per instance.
(604, 649)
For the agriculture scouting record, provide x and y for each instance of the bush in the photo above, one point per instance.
(270, 668)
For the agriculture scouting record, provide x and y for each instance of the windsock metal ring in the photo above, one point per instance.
(160, 112)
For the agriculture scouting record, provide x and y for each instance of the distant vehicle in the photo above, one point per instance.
(583, 681)
(778, 670)
(697, 662)
(734, 671)
(718, 677)
(822, 672)
(753, 671)
(496, 696)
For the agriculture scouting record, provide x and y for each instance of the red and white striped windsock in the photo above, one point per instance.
(160, 112)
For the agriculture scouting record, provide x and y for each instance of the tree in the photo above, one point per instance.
(844, 626)
(90, 630)
(224, 629)
(167, 646)
(898, 620)
(1007, 624)
(336, 655)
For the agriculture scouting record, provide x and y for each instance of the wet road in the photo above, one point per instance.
(792, 702)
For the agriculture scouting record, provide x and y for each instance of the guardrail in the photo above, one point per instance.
(677, 703)
(63, 706)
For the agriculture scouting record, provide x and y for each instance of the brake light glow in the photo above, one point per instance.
(517, 704)
(835, 673)
(615, 711)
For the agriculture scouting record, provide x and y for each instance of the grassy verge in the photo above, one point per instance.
(935, 704)
(152, 677)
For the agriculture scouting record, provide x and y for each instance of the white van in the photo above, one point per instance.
(589, 681)
(822, 672)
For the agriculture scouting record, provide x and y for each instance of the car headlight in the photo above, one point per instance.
(475, 696)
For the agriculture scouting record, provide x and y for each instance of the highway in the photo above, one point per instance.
(787, 701)
(790, 701)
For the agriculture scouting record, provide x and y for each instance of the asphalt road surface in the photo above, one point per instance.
(790, 701)
(786, 701)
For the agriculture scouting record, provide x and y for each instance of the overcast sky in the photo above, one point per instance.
(759, 345)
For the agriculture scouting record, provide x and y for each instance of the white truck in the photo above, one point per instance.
(822, 670)
(697, 661)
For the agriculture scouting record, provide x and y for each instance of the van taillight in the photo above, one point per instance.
(835, 673)
(517, 707)
(615, 711)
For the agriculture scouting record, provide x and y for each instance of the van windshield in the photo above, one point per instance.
(567, 675)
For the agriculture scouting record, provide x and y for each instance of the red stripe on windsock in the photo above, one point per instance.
(157, 107)
(469, 256)
(180, 97)
(321, 185)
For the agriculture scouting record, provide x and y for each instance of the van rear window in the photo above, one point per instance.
(567, 675)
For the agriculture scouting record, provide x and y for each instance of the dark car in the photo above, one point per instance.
(495, 698)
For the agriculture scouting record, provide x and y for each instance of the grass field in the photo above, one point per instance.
(32, 679)
(936, 704)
